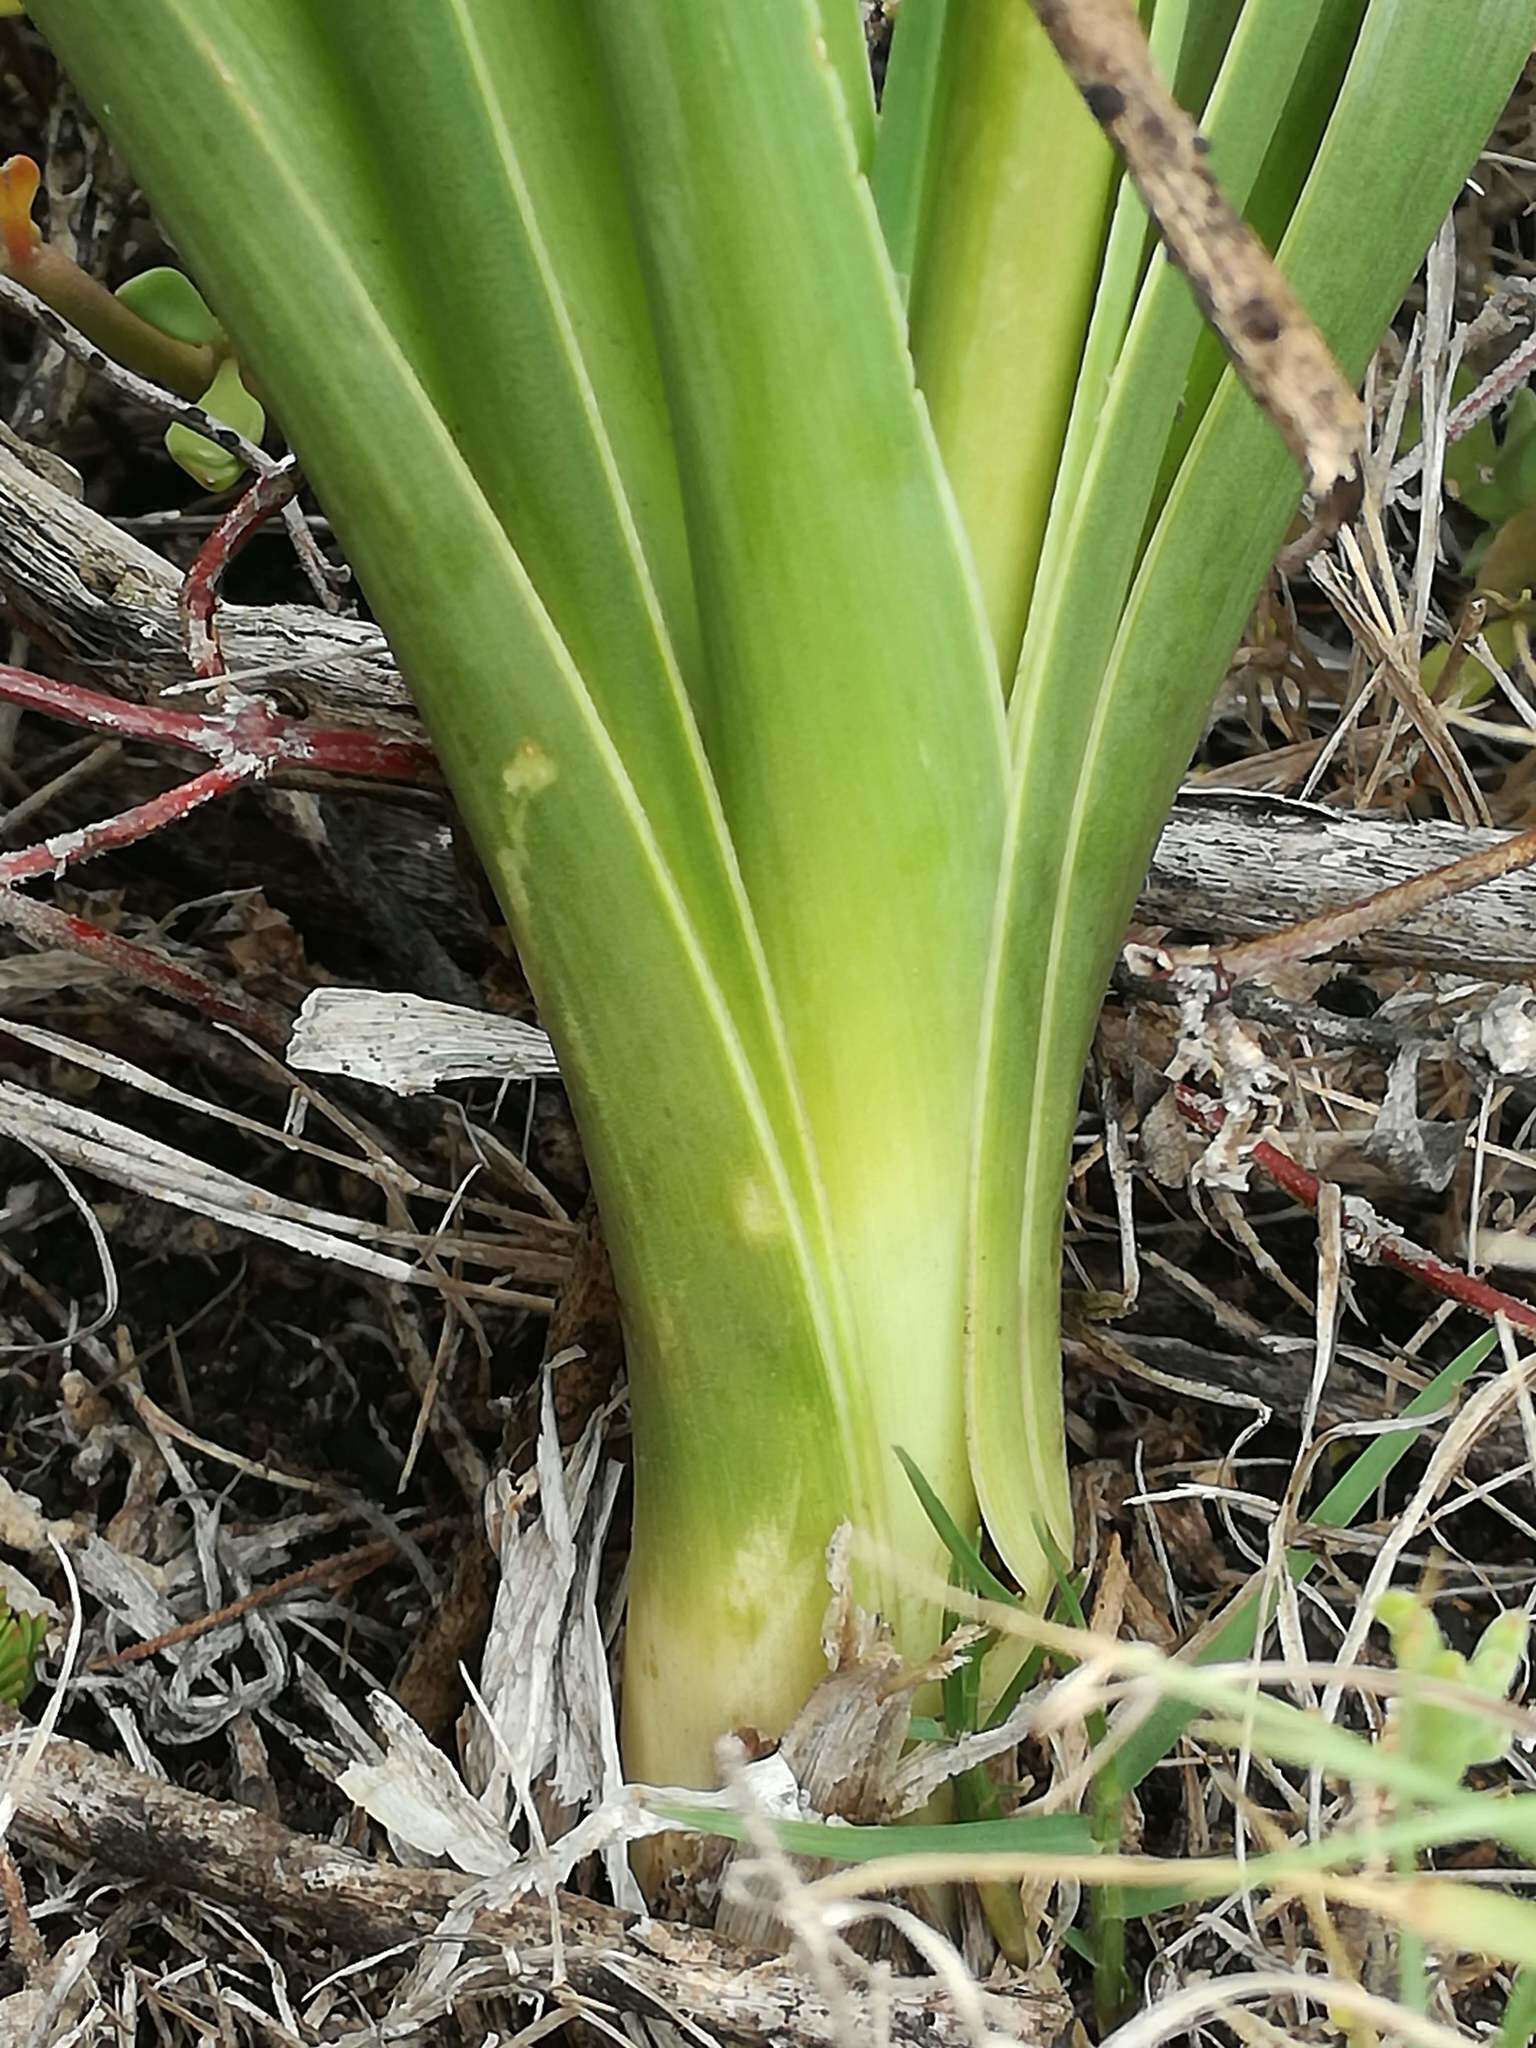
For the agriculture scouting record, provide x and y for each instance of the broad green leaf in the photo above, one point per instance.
(227, 401)
(1000, 297)
(644, 970)
(857, 725)
(169, 300)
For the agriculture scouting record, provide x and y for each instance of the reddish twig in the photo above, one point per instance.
(1514, 371)
(247, 740)
(43, 925)
(247, 729)
(200, 589)
(65, 849)
(1367, 1235)
(347, 1565)
(1332, 928)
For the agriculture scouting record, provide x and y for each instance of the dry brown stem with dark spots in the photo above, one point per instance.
(1274, 345)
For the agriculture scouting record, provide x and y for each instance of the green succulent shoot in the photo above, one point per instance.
(158, 324)
(1438, 1736)
(21, 1637)
(170, 301)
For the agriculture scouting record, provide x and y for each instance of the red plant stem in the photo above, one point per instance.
(352, 750)
(1495, 387)
(251, 728)
(67, 849)
(200, 588)
(43, 925)
(1370, 1237)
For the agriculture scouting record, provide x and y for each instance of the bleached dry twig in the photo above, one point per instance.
(81, 1807)
(129, 1159)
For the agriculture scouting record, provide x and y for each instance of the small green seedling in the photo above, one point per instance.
(158, 324)
(170, 301)
(21, 1637)
(1433, 1733)
(1441, 1736)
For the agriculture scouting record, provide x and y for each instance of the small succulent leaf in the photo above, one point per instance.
(21, 1637)
(1439, 1737)
(169, 300)
(1416, 1638)
(228, 400)
(1514, 472)
(1495, 1663)
(19, 180)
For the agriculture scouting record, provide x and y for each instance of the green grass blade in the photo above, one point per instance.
(1354, 1489)
(1025, 1834)
(1341, 1505)
(967, 1560)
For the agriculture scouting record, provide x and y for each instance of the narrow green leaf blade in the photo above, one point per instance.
(1025, 1834)
(1101, 750)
